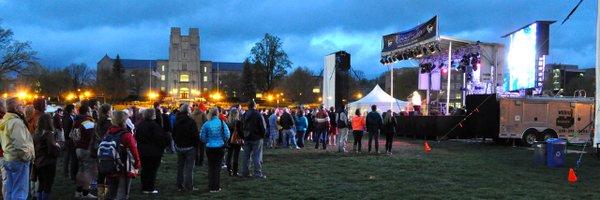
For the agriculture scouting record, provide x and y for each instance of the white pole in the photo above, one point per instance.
(597, 116)
(448, 79)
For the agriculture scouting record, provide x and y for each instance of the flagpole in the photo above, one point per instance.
(597, 116)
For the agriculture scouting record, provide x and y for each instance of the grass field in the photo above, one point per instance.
(452, 170)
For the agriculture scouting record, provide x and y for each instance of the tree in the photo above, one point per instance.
(80, 74)
(270, 61)
(118, 88)
(296, 86)
(14, 55)
(248, 86)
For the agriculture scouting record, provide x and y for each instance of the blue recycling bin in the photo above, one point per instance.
(555, 152)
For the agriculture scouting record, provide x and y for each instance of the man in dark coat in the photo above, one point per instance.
(374, 123)
(253, 133)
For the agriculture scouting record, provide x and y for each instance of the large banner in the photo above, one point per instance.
(415, 35)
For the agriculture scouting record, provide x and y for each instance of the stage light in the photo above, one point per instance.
(438, 47)
(394, 58)
(382, 61)
(389, 59)
(444, 70)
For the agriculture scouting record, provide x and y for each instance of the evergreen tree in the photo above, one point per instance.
(119, 85)
(248, 89)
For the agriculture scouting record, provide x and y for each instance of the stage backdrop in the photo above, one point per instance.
(423, 32)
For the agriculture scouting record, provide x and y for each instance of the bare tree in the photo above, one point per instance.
(14, 55)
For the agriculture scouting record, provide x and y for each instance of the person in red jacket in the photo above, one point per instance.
(119, 184)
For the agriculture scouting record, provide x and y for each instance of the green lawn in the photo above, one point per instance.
(452, 170)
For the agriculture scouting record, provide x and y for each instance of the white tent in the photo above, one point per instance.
(380, 98)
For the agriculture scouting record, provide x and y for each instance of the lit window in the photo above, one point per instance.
(162, 88)
(458, 96)
(184, 78)
(162, 77)
(163, 68)
(205, 89)
(205, 70)
(205, 78)
(316, 90)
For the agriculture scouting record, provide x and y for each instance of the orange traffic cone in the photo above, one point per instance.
(572, 176)
(427, 148)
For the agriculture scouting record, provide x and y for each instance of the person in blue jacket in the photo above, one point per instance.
(214, 133)
(301, 126)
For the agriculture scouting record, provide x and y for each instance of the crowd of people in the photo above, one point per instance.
(103, 149)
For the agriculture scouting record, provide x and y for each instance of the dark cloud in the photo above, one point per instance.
(74, 31)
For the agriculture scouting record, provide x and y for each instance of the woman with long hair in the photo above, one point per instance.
(235, 142)
(46, 155)
(358, 128)
(389, 129)
(215, 133)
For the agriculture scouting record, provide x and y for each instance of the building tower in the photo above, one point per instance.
(184, 65)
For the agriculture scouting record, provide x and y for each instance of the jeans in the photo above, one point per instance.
(253, 149)
(171, 147)
(300, 138)
(118, 188)
(358, 134)
(87, 168)
(289, 138)
(273, 137)
(215, 157)
(389, 139)
(185, 168)
(46, 177)
(150, 166)
(70, 162)
(17, 179)
(200, 154)
(321, 136)
(233, 153)
(342, 139)
(374, 134)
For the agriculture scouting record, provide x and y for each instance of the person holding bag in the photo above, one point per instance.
(235, 142)
(215, 133)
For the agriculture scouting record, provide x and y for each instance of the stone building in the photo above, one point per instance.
(183, 76)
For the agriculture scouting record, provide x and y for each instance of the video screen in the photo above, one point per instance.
(521, 59)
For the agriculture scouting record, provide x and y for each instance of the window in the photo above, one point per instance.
(184, 93)
(204, 69)
(184, 78)
(205, 89)
(184, 54)
(162, 77)
(163, 68)
(162, 88)
(458, 96)
(316, 90)
(205, 79)
(184, 66)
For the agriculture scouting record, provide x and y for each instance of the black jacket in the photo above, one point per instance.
(159, 119)
(286, 121)
(389, 127)
(254, 120)
(185, 131)
(67, 125)
(166, 122)
(151, 139)
(374, 121)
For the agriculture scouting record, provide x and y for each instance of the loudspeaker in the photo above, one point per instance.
(342, 60)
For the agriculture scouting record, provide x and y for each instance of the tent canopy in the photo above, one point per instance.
(380, 98)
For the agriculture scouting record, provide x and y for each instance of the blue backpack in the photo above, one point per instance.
(109, 158)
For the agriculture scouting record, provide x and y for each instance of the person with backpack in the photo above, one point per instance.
(46, 151)
(301, 125)
(358, 128)
(215, 133)
(104, 122)
(389, 129)
(83, 135)
(118, 157)
(186, 137)
(235, 142)
(374, 123)
(151, 143)
(342, 125)
(287, 124)
(254, 129)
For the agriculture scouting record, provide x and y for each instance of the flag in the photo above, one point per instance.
(155, 73)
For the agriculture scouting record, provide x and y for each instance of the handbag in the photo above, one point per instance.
(235, 137)
(225, 142)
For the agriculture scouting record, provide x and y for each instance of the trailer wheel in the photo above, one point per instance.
(529, 138)
(547, 134)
